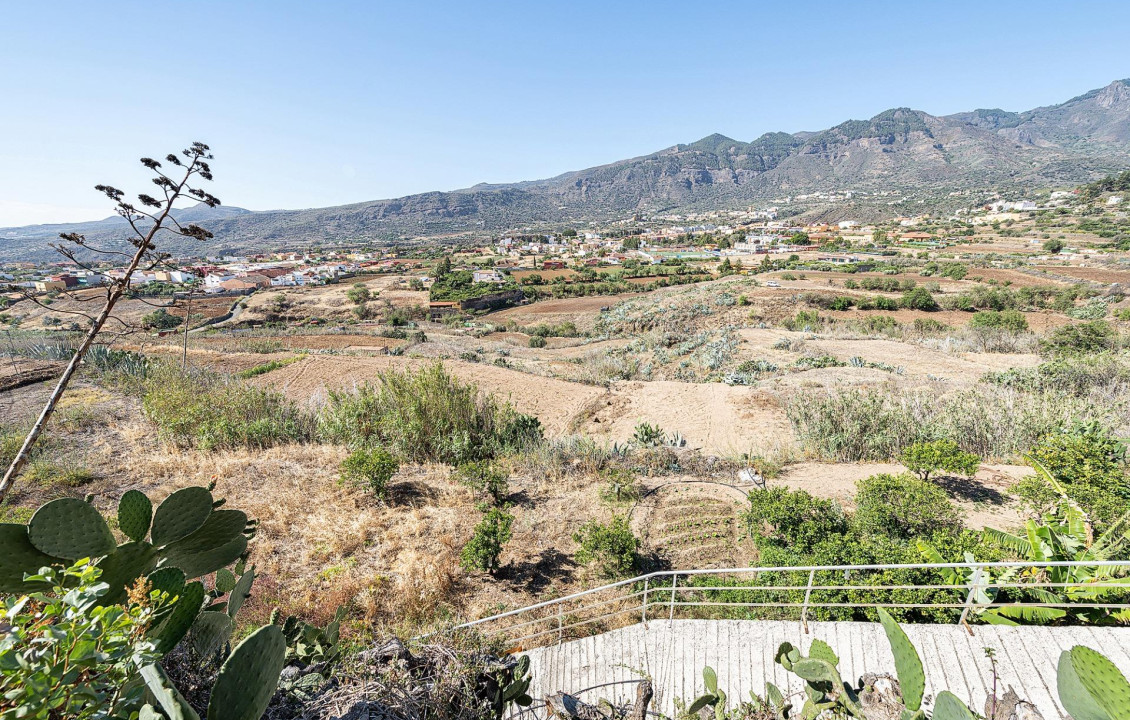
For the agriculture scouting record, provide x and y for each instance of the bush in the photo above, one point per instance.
(211, 412)
(1091, 466)
(612, 549)
(536, 341)
(371, 469)
(1076, 338)
(65, 656)
(804, 320)
(426, 415)
(1009, 320)
(485, 547)
(485, 479)
(358, 294)
(918, 298)
(160, 319)
(923, 458)
(903, 506)
(794, 520)
(841, 302)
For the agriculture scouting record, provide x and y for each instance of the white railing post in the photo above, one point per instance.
(974, 586)
(643, 612)
(560, 623)
(674, 585)
(807, 595)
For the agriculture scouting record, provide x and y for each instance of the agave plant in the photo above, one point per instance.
(1064, 534)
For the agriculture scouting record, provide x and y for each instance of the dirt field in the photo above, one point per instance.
(1093, 274)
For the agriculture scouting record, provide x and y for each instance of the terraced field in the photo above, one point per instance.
(695, 524)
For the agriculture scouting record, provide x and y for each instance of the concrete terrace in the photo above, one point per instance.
(673, 653)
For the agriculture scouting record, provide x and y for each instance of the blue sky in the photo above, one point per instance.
(310, 104)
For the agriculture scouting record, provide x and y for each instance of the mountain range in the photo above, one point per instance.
(897, 160)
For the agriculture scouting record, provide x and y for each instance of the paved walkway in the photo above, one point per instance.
(673, 654)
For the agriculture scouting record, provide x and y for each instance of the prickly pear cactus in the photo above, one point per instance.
(70, 529)
(908, 666)
(121, 567)
(180, 515)
(17, 557)
(1091, 687)
(249, 677)
(135, 514)
(948, 707)
(178, 622)
(241, 591)
(218, 542)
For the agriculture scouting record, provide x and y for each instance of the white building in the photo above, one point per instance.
(215, 280)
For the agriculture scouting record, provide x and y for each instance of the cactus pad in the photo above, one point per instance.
(70, 529)
(168, 579)
(908, 666)
(249, 677)
(823, 651)
(948, 707)
(198, 564)
(210, 633)
(167, 695)
(241, 591)
(1091, 687)
(225, 581)
(17, 557)
(135, 513)
(126, 564)
(184, 613)
(180, 515)
(219, 529)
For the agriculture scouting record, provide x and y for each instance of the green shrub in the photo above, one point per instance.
(371, 469)
(160, 319)
(537, 341)
(794, 520)
(426, 415)
(484, 479)
(918, 298)
(841, 302)
(485, 547)
(804, 320)
(1080, 338)
(358, 294)
(903, 506)
(611, 549)
(1009, 320)
(205, 410)
(1090, 464)
(930, 326)
(924, 458)
(64, 655)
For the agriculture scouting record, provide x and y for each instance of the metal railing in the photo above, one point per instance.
(799, 592)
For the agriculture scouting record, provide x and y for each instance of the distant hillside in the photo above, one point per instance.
(899, 151)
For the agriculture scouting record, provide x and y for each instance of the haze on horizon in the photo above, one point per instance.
(309, 106)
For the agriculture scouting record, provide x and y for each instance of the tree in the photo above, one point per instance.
(612, 548)
(146, 227)
(160, 319)
(443, 267)
(1054, 246)
(918, 298)
(485, 546)
(924, 458)
(358, 294)
(879, 237)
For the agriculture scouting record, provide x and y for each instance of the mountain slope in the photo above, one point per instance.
(898, 151)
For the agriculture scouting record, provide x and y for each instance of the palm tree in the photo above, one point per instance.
(1064, 534)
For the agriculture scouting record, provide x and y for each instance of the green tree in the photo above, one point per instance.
(1054, 246)
(925, 458)
(358, 294)
(485, 547)
(160, 319)
(371, 469)
(612, 549)
(902, 506)
(918, 298)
